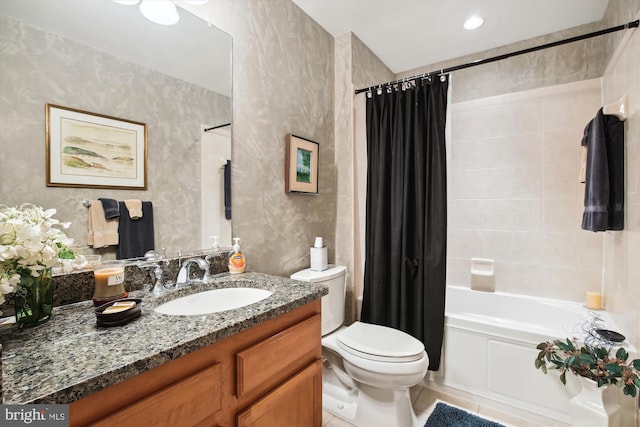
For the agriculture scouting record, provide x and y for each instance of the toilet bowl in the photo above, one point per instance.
(367, 369)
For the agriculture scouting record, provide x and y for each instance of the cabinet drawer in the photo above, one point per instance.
(275, 359)
(183, 403)
(297, 402)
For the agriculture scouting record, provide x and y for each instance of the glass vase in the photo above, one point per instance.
(34, 299)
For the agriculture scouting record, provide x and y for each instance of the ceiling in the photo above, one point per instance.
(407, 34)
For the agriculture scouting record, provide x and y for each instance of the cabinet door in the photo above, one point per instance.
(190, 401)
(295, 403)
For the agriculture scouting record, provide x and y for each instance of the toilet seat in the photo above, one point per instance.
(379, 343)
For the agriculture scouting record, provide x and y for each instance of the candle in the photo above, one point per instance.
(109, 282)
(594, 300)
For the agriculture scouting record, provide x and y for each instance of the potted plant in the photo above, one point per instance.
(596, 367)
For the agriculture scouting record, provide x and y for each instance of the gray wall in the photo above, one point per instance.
(282, 83)
(39, 68)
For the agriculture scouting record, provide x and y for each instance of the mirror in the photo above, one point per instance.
(105, 58)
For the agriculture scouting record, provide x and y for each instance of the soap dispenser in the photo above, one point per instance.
(236, 258)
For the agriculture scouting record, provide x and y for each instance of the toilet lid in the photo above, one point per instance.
(381, 343)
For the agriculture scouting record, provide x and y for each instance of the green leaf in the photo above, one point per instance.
(621, 354)
(636, 364)
(600, 352)
(630, 390)
(66, 254)
(614, 368)
(563, 378)
(544, 368)
(586, 358)
(542, 345)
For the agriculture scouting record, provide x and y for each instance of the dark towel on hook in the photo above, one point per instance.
(110, 207)
(604, 184)
(227, 190)
(136, 236)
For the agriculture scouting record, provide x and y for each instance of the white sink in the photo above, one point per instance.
(213, 301)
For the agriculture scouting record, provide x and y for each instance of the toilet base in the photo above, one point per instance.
(369, 406)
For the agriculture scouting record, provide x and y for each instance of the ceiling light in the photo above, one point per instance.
(473, 22)
(159, 11)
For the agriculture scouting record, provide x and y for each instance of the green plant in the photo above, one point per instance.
(596, 364)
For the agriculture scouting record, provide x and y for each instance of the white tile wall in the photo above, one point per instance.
(514, 194)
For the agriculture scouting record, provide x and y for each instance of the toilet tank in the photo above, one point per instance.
(334, 277)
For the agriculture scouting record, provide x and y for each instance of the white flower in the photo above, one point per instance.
(29, 243)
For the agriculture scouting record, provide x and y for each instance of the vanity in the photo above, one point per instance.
(258, 365)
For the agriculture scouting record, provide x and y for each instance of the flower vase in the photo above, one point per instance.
(595, 406)
(34, 299)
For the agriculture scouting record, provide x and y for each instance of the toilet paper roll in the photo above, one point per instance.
(319, 243)
(319, 259)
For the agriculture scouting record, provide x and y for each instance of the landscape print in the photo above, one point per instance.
(303, 166)
(91, 149)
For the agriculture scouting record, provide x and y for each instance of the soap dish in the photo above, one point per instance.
(119, 312)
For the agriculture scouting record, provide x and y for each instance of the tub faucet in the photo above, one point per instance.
(183, 274)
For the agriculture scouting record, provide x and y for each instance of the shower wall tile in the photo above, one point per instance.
(514, 192)
(621, 267)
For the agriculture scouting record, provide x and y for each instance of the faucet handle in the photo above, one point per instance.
(157, 287)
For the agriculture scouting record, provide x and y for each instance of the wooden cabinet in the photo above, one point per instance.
(268, 375)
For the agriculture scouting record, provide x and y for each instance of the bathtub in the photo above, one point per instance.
(490, 346)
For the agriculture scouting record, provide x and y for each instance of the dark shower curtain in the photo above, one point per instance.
(406, 212)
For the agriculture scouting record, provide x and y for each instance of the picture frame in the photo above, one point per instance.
(91, 150)
(301, 165)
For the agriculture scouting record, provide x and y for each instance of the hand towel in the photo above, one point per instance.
(102, 232)
(136, 236)
(135, 208)
(110, 207)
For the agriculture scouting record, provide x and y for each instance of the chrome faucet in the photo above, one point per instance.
(183, 274)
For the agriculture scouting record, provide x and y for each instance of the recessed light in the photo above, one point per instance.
(473, 22)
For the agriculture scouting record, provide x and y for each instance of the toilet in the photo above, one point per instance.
(367, 369)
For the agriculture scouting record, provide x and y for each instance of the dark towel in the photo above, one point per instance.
(136, 236)
(604, 184)
(227, 190)
(110, 207)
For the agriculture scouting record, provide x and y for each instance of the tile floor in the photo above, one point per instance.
(424, 400)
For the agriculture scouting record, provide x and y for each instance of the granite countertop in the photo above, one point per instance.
(69, 357)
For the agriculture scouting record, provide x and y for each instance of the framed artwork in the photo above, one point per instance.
(89, 150)
(301, 165)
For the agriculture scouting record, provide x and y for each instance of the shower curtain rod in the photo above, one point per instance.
(632, 24)
(217, 127)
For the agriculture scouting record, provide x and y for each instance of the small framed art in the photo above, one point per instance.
(301, 165)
